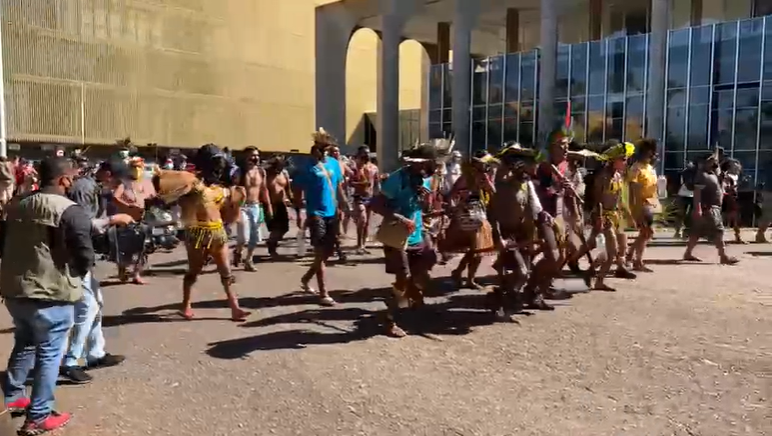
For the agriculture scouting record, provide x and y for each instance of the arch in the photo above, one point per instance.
(361, 84)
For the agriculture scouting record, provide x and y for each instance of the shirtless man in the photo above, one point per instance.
(129, 197)
(279, 191)
(253, 180)
(365, 182)
(515, 213)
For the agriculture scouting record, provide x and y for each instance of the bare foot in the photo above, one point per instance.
(249, 266)
(603, 287)
(394, 331)
(692, 258)
(472, 284)
(305, 287)
(187, 314)
(729, 261)
(239, 315)
(139, 281)
(640, 267)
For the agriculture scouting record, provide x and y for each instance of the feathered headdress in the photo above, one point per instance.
(621, 150)
(442, 147)
(322, 137)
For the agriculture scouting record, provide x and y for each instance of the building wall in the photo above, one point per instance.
(174, 72)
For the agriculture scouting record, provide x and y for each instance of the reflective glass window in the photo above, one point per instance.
(615, 128)
(495, 79)
(768, 49)
(578, 69)
(595, 118)
(765, 140)
(447, 115)
(761, 8)
(725, 53)
(764, 169)
(479, 113)
(526, 134)
(447, 129)
(578, 117)
(597, 62)
(721, 128)
(480, 83)
(748, 97)
(746, 126)
(675, 129)
(435, 130)
(747, 159)
(678, 56)
(528, 76)
(702, 47)
(511, 109)
(435, 116)
(478, 136)
(634, 118)
(699, 95)
(723, 99)
(637, 47)
(527, 112)
(435, 87)
(510, 129)
(616, 65)
(494, 133)
(447, 85)
(676, 97)
(697, 127)
(561, 73)
(749, 54)
(674, 161)
(495, 111)
(512, 83)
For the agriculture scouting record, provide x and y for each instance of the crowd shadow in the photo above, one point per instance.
(759, 253)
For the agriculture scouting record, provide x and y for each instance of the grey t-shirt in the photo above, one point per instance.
(86, 192)
(711, 192)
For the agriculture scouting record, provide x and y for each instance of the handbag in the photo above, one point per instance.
(471, 217)
(392, 233)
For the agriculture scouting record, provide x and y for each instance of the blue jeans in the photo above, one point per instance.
(87, 329)
(40, 332)
(249, 226)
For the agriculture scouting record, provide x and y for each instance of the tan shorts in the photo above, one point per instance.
(6, 192)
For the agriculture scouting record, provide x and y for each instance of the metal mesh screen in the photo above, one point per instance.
(93, 71)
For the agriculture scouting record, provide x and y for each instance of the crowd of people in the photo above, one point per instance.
(532, 212)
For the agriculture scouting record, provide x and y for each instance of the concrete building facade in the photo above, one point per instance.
(179, 73)
(691, 73)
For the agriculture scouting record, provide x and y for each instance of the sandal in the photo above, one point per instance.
(730, 261)
(305, 287)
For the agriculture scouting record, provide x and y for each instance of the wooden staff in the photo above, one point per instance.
(577, 213)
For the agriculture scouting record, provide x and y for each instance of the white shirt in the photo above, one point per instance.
(452, 173)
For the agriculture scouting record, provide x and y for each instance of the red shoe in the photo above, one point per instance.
(54, 421)
(18, 406)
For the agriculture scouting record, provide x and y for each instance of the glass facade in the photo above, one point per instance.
(718, 92)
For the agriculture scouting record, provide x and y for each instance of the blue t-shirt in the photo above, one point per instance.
(321, 195)
(404, 199)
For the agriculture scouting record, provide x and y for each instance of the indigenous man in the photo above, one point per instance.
(644, 200)
(130, 197)
(207, 207)
(401, 201)
(707, 220)
(365, 182)
(514, 213)
(606, 211)
(280, 194)
(321, 183)
(253, 181)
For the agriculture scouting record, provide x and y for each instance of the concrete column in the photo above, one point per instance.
(655, 106)
(513, 30)
(388, 92)
(596, 19)
(464, 18)
(696, 13)
(443, 43)
(548, 55)
(334, 26)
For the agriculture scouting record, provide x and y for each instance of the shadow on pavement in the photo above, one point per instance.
(759, 253)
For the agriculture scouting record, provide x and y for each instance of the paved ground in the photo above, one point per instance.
(684, 351)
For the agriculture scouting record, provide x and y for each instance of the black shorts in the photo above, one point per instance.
(324, 232)
(279, 222)
(415, 259)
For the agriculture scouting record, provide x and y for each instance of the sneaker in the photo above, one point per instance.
(52, 422)
(18, 406)
(107, 361)
(75, 374)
